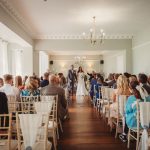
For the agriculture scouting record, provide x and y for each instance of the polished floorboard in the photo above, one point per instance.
(86, 130)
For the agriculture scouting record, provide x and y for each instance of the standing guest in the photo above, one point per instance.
(54, 89)
(91, 75)
(143, 80)
(8, 87)
(45, 80)
(31, 88)
(1, 82)
(18, 82)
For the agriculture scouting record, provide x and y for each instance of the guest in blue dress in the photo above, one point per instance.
(93, 84)
(31, 88)
(138, 92)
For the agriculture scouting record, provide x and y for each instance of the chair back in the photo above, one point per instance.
(11, 103)
(5, 130)
(32, 128)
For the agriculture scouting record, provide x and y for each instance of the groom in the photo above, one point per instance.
(72, 78)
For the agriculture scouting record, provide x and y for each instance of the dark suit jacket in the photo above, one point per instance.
(62, 103)
(72, 75)
(3, 103)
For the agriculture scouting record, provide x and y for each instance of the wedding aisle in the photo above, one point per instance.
(86, 131)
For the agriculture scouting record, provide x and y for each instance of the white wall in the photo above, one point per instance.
(61, 63)
(141, 52)
(115, 63)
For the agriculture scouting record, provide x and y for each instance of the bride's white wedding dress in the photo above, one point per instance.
(81, 90)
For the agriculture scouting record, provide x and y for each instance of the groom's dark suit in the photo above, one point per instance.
(72, 78)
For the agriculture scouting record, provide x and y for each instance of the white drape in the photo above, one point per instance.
(29, 124)
(145, 122)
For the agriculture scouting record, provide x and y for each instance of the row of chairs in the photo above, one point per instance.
(102, 105)
(27, 106)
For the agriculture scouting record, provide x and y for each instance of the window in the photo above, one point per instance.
(3, 57)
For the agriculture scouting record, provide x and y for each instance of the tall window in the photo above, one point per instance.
(16, 62)
(3, 57)
(44, 61)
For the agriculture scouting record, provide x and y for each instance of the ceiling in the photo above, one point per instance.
(11, 37)
(58, 18)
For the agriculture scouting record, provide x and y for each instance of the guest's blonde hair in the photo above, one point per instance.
(122, 85)
(32, 84)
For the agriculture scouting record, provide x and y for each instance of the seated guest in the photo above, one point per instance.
(100, 82)
(138, 92)
(132, 78)
(45, 80)
(3, 103)
(143, 80)
(18, 82)
(1, 82)
(8, 87)
(148, 81)
(24, 80)
(122, 89)
(93, 84)
(62, 80)
(111, 80)
(31, 88)
(54, 89)
(116, 75)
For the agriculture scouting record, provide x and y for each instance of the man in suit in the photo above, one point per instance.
(72, 78)
(53, 89)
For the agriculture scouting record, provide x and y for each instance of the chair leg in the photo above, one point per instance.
(128, 146)
(137, 141)
(54, 140)
(57, 133)
(60, 125)
(117, 126)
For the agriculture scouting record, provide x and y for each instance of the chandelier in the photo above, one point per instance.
(93, 36)
(79, 60)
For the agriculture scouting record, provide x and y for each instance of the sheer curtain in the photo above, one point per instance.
(44, 61)
(3, 57)
(17, 62)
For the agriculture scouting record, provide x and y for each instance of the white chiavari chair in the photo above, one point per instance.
(11, 103)
(48, 107)
(6, 142)
(119, 121)
(135, 133)
(27, 103)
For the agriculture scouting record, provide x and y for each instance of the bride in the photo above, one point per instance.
(81, 90)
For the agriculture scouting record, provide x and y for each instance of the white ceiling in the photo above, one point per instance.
(72, 17)
(11, 37)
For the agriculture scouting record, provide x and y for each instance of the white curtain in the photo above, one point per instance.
(3, 57)
(44, 61)
(16, 62)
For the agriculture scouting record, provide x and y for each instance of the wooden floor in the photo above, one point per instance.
(86, 130)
